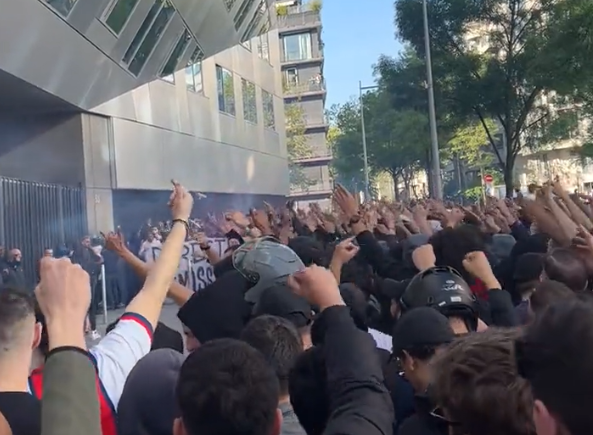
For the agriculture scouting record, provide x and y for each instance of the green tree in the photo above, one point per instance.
(397, 140)
(297, 146)
(492, 59)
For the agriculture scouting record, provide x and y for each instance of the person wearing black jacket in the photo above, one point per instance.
(417, 338)
(337, 387)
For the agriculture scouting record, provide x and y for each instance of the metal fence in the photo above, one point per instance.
(35, 216)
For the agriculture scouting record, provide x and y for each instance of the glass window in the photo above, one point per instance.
(297, 47)
(292, 77)
(193, 77)
(257, 19)
(268, 103)
(63, 7)
(152, 37)
(154, 10)
(249, 103)
(193, 71)
(226, 90)
(263, 50)
(119, 14)
(243, 12)
(171, 64)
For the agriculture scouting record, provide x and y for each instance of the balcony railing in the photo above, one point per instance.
(302, 88)
(306, 15)
(315, 120)
(313, 58)
(324, 186)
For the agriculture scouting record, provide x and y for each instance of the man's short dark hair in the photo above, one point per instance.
(227, 387)
(307, 387)
(555, 356)
(279, 341)
(15, 306)
(479, 388)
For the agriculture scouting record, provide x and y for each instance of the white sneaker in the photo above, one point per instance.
(95, 335)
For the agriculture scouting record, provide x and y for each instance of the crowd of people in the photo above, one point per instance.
(377, 318)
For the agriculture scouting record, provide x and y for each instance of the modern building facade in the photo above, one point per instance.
(121, 96)
(302, 59)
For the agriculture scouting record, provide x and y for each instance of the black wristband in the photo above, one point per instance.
(184, 222)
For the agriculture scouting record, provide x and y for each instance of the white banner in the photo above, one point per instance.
(194, 271)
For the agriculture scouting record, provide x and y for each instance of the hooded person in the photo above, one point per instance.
(223, 308)
(149, 408)
(265, 263)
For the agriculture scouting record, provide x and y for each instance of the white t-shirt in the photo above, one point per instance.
(146, 248)
(383, 341)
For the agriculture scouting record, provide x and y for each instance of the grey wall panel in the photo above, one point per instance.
(100, 34)
(53, 56)
(79, 62)
(147, 158)
(42, 148)
(84, 13)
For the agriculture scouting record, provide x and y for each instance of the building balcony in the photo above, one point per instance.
(299, 17)
(318, 156)
(311, 88)
(314, 59)
(322, 188)
(315, 122)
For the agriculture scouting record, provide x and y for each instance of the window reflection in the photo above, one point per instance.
(63, 7)
(120, 12)
(268, 103)
(167, 73)
(193, 71)
(152, 37)
(249, 101)
(226, 90)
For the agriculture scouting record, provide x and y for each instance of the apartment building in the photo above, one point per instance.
(301, 60)
(120, 96)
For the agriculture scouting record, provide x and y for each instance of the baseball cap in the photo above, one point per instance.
(280, 301)
(423, 326)
(393, 289)
(149, 407)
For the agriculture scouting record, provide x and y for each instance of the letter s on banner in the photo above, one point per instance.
(194, 270)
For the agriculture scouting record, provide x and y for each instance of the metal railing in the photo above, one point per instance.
(299, 18)
(314, 120)
(314, 57)
(324, 186)
(302, 88)
(35, 216)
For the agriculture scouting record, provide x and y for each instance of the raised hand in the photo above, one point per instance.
(181, 202)
(317, 285)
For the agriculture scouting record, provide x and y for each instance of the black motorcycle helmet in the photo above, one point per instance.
(444, 289)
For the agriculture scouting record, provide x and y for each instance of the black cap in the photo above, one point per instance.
(528, 267)
(148, 404)
(393, 289)
(423, 326)
(280, 301)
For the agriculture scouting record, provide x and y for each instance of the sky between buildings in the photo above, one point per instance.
(355, 33)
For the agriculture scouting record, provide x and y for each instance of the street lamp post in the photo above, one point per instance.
(434, 141)
(367, 191)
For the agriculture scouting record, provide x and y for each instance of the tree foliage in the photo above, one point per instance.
(469, 142)
(297, 145)
(496, 59)
(397, 140)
